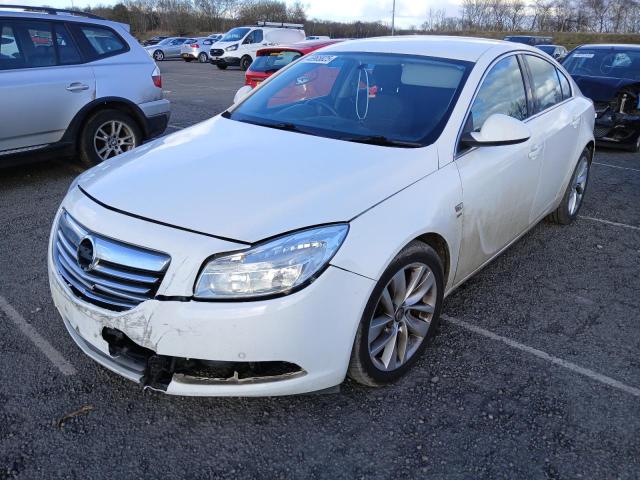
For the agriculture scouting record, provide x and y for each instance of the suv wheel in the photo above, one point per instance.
(203, 58)
(108, 133)
(245, 63)
(158, 55)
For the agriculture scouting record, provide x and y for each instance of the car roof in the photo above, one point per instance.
(303, 47)
(61, 16)
(611, 46)
(458, 48)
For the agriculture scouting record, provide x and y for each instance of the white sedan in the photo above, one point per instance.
(313, 230)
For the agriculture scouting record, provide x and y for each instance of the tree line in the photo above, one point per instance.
(182, 17)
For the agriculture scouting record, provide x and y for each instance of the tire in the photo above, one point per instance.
(222, 66)
(99, 126)
(567, 211)
(635, 147)
(203, 58)
(245, 63)
(158, 55)
(364, 366)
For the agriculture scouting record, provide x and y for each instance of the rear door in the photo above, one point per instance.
(557, 117)
(43, 82)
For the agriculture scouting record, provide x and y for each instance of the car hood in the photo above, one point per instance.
(601, 89)
(245, 182)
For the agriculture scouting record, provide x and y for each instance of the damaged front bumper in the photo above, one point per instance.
(618, 122)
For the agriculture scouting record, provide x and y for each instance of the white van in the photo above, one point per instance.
(239, 45)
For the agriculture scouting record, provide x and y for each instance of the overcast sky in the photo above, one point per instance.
(408, 12)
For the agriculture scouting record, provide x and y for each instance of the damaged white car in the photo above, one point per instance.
(312, 230)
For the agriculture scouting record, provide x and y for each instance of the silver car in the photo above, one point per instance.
(167, 48)
(197, 50)
(62, 86)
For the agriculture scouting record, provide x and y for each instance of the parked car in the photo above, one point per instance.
(328, 249)
(610, 76)
(318, 37)
(532, 40)
(556, 51)
(239, 45)
(197, 50)
(216, 36)
(269, 60)
(168, 48)
(154, 40)
(69, 94)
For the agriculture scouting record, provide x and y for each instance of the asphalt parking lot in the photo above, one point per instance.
(535, 372)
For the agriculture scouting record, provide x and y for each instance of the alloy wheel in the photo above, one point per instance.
(113, 138)
(579, 184)
(402, 317)
(158, 55)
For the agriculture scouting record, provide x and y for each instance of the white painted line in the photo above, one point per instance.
(608, 222)
(545, 356)
(38, 340)
(616, 166)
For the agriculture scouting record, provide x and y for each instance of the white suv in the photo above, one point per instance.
(75, 82)
(240, 45)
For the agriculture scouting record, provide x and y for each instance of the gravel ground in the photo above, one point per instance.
(474, 407)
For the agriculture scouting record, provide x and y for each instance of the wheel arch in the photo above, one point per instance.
(440, 245)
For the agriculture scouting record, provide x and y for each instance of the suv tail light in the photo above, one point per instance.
(195, 45)
(156, 77)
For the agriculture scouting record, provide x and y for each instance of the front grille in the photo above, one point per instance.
(216, 52)
(600, 132)
(105, 272)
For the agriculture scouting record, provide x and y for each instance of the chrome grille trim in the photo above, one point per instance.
(121, 276)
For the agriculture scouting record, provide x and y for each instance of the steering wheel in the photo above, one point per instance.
(321, 104)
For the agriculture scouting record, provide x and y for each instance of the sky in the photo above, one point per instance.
(408, 12)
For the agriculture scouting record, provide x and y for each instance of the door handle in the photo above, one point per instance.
(77, 87)
(575, 123)
(535, 151)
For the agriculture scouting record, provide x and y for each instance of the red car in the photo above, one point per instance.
(269, 60)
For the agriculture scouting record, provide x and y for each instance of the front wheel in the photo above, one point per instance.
(571, 202)
(108, 133)
(158, 55)
(635, 147)
(203, 58)
(401, 315)
(245, 63)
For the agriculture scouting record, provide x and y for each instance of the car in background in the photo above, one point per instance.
(168, 48)
(239, 45)
(197, 50)
(610, 76)
(269, 60)
(313, 230)
(558, 52)
(533, 40)
(216, 36)
(154, 40)
(69, 94)
(318, 37)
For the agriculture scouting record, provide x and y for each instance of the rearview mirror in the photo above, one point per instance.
(243, 92)
(498, 130)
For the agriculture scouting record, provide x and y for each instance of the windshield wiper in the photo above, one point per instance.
(382, 141)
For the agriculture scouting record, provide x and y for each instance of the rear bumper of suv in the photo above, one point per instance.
(156, 117)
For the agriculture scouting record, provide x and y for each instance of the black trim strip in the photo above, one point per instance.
(158, 222)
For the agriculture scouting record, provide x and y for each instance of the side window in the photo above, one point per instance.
(100, 42)
(257, 36)
(10, 54)
(67, 51)
(564, 85)
(502, 91)
(37, 42)
(546, 84)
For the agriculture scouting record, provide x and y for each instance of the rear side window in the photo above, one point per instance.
(100, 42)
(67, 52)
(10, 55)
(564, 85)
(27, 45)
(502, 91)
(547, 91)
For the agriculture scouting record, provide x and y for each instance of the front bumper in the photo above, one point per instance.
(229, 61)
(313, 328)
(617, 129)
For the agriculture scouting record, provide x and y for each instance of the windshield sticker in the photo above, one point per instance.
(322, 59)
(583, 55)
(302, 80)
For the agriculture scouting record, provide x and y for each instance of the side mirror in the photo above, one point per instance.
(243, 92)
(498, 130)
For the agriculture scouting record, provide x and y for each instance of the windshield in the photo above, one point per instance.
(235, 35)
(386, 99)
(597, 62)
(273, 61)
(547, 49)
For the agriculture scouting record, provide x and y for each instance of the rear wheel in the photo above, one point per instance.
(568, 209)
(158, 55)
(635, 147)
(401, 315)
(203, 58)
(245, 63)
(108, 133)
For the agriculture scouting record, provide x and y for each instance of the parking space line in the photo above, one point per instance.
(38, 340)
(609, 222)
(616, 166)
(545, 356)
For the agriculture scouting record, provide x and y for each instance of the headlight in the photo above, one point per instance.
(231, 48)
(275, 267)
